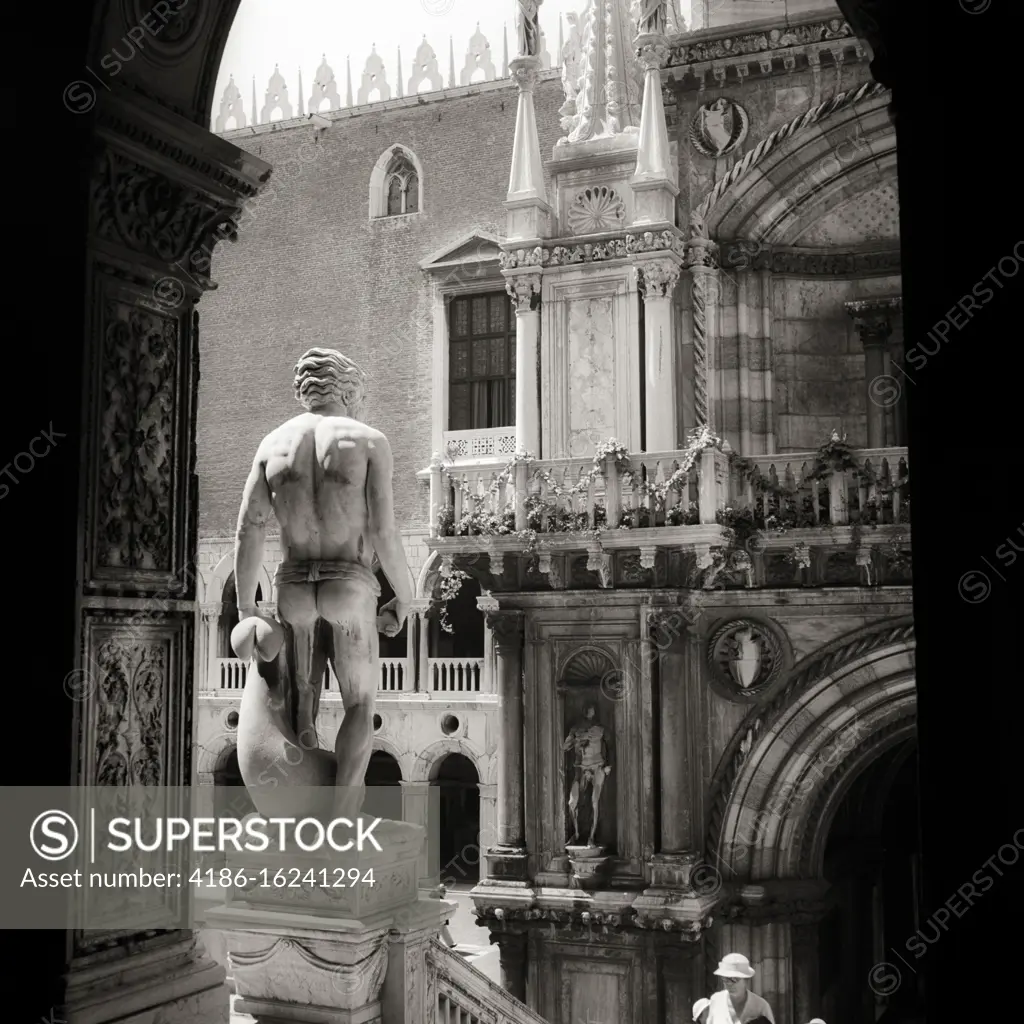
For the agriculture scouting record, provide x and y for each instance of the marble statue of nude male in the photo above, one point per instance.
(326, 477)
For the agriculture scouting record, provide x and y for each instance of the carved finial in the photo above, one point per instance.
(230, 108)
(478, 58)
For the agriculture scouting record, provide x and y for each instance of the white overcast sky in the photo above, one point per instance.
(297, 34)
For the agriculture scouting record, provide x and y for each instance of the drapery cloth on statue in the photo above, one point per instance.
(721, 1010)
(316, 571)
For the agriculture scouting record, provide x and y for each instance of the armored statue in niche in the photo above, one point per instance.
(590, 769)
(528, 27)
(327, 478)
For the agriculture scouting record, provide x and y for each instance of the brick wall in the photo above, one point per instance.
(312, 269)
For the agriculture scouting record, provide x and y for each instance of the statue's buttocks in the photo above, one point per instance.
(326, 478)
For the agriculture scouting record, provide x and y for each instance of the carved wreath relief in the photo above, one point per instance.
(745, 657)
(719, 127)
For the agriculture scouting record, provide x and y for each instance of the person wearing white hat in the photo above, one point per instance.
(700, 1011)
(735, 1003)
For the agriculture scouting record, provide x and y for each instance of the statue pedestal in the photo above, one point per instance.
(323, 946)
(589, 866)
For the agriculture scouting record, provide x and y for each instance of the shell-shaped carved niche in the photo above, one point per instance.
(596, 209)
(586, 666)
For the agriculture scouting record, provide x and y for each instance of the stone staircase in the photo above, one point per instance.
(458, 992)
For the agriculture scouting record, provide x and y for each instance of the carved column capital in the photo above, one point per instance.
(657, 278)
(873, 318)
(701, 254)
(651, 51)
(210, 612)
(506, 625)
(525, 72)
(524, 290)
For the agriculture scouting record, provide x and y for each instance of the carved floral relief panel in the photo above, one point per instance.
(133, 490)
(591, 373)
(136, 700)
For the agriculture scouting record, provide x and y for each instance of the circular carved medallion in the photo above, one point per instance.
(745, 657)
(170, 31)
(719, 127)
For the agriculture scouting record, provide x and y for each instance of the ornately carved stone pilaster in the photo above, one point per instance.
(524, 290)
(163, 192)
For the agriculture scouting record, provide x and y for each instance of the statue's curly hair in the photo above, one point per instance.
(324, 375)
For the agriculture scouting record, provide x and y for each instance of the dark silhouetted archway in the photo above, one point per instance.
(457, 778)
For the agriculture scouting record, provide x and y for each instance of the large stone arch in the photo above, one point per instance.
(847, 151)
(429, 573)
(425, 766)
(787, 771)
(213, 754)
(224, 568)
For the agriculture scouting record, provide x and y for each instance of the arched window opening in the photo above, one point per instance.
(457, 778)
(383, 781)
(403, 186)
(466, 639)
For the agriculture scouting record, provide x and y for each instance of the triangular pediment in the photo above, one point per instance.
(475, 248)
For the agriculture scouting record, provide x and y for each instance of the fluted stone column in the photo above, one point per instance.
(488, 822)
(207, 644)
(658, 278)
(419, 644)
(508, 858)
(525, 292)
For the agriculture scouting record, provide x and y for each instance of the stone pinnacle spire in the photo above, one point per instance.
(608, 102)
(348, 85)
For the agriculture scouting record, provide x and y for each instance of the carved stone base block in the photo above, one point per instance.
(506, 864)
(527, 220)
(673, 871)
(171, 983)
(312, 883)
(672, 910)
(654, 205)
(589, 866)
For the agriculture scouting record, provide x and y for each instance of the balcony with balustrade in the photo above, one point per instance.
(837, 515)
(446, 679)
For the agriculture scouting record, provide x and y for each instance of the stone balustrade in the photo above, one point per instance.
(231, 673)
(657, 490)
(457, 677)
(490, 443)
(395, 676)
(457, 991)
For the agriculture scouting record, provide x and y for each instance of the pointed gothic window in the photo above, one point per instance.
(402, 186)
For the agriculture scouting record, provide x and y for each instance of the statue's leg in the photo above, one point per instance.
(351, 610)
(296, 606)
(574, 802)
(596, 785)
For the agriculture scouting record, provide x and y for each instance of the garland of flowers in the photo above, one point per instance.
(449, 583)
